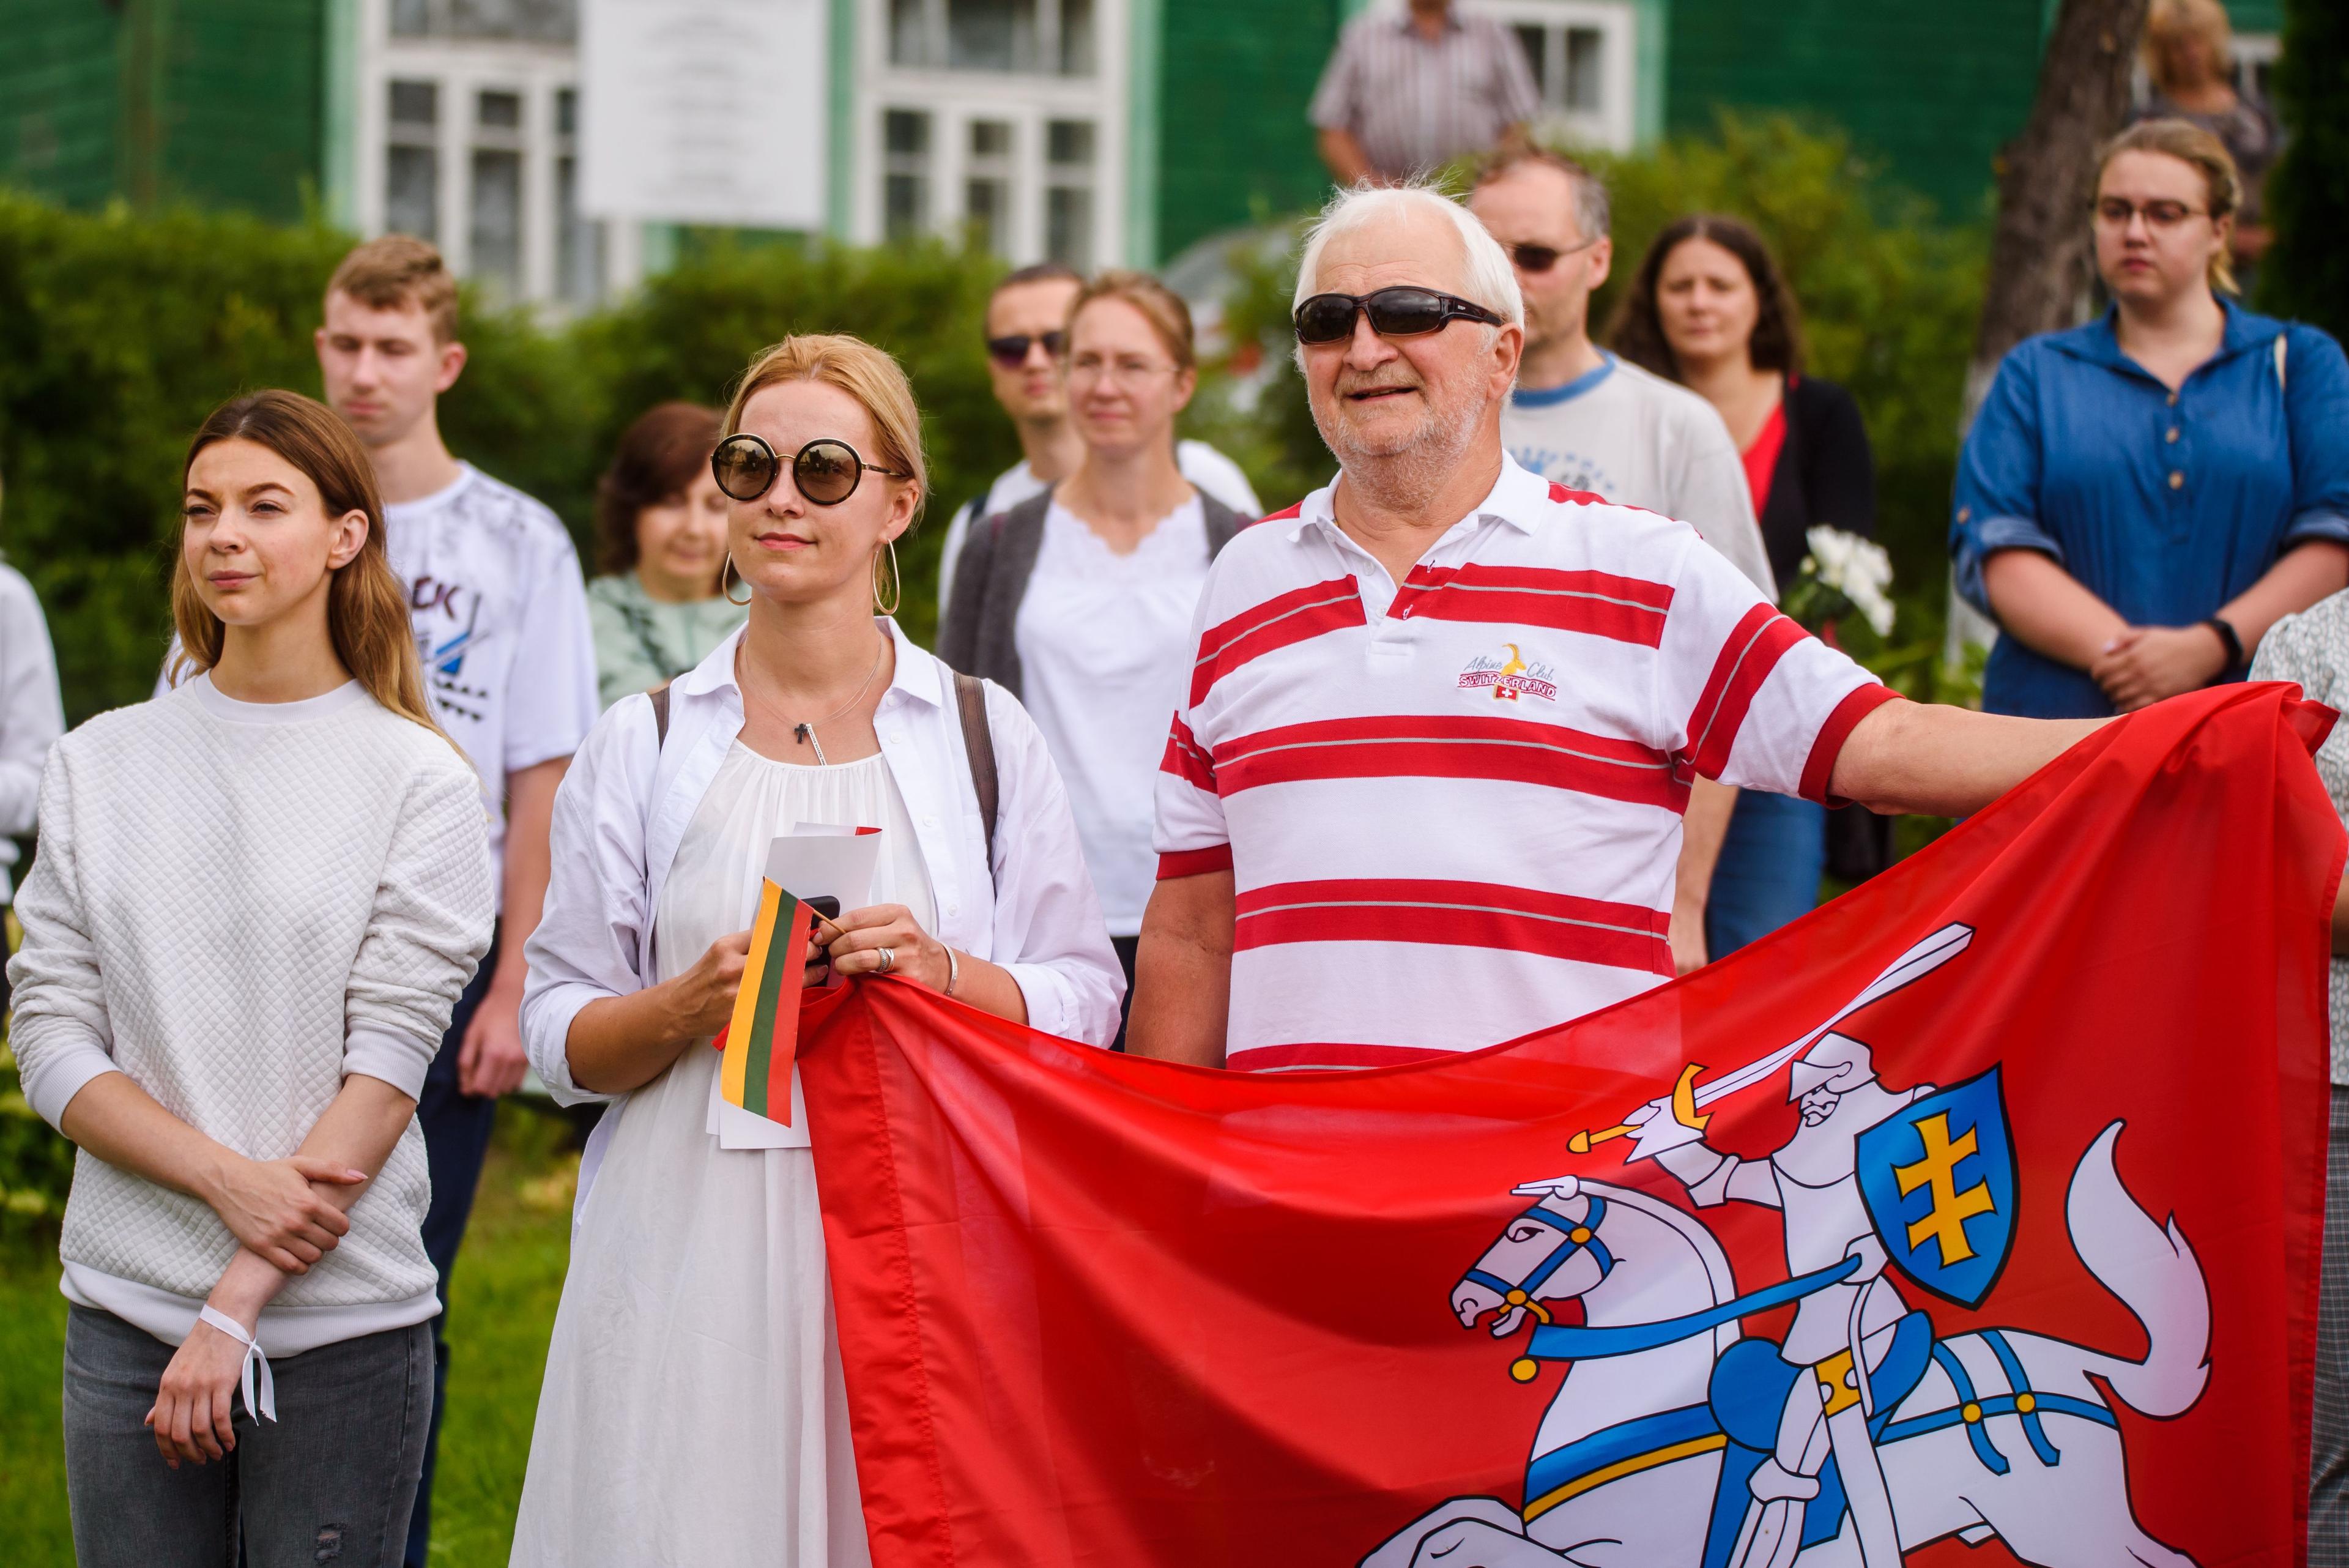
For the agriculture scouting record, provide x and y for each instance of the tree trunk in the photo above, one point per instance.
(2040, 258)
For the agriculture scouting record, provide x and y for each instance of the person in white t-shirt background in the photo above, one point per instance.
(1079, 600)
(1583, 418)
(1027, 324)
(499, 607)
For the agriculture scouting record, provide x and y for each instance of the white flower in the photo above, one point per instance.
(1857, 568)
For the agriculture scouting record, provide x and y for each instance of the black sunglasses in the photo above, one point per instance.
(827, 471)
(1012, 352)
(1398, 312)
(1541, 258)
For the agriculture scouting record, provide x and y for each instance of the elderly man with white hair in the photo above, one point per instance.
(1424, 791)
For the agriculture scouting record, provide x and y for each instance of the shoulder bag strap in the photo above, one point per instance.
(978, 746)
(660, 717)
(2281, 340)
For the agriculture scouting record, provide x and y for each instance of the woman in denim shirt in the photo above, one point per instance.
(2142, 497)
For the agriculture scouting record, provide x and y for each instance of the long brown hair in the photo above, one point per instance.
(660, 455)
(1638, 330)
(366, 610)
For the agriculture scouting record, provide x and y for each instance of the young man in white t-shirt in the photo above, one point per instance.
(1026, 318)
(1582, 417)
(500, 611)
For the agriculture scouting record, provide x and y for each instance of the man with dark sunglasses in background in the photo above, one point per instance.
(1025, 316)
(1590, 421)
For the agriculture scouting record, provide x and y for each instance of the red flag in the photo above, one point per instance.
(2011, 1163)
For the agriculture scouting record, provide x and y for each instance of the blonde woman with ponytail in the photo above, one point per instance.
(256, 901)
(693, 1409)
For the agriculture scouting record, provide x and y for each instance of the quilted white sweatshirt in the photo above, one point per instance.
(238, 904)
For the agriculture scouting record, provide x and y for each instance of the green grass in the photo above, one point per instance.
(502, 1309)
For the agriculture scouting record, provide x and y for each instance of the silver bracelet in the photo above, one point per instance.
(954, 970)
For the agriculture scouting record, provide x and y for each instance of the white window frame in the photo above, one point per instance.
(1027, 100)
(463, 68)
(1617, 22)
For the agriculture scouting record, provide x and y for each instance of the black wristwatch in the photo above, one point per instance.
(2234, 645)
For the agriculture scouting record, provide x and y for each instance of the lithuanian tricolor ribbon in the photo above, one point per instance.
(763, 1034)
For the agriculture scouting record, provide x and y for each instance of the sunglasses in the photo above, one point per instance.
(1012, 352)
(1398, 312)
(1541, 258)
(827, 471)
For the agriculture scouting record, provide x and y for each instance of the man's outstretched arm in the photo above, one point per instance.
(1183, 971)
(1939, 760)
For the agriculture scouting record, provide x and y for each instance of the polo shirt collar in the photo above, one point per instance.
(1550, 397)
(1518, 497)
(1409, 24)
(2098, 342)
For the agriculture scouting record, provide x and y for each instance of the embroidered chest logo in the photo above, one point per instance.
(1511, 679)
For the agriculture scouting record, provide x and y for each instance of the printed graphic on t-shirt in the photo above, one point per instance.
(446, 618)
(1510, 678)
(1571, 469)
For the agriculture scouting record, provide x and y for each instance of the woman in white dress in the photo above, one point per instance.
(694, 1411)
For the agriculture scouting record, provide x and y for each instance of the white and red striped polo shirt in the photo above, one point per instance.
(1452, 810)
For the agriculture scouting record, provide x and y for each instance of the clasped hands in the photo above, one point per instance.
(2147, 663)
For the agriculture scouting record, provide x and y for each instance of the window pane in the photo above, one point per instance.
(410, 18)
(1069, 143)
(1069, 226)
(909, 30)
(1076, 38)
(991, 35)
(904, 207)
(986, 209)
(990, 139)
(579, 242)
(904, 133)
(1584, 51)
(499, 110)
(497, 220)
(411, 196)
(566, 111)
(415, 103)
(1535, 41)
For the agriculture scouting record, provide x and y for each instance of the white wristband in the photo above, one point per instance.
(954, 971)
(266, 1410)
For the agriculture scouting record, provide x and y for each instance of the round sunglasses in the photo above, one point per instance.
(827, 471)
(1401, 311)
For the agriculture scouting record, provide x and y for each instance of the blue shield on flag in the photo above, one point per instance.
(1939, 1180)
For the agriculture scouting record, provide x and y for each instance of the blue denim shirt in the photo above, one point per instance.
(2164, 504)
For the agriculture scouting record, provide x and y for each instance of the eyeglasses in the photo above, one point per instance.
(1012, 352)
(2116, 211)
(1539, 259)
(827, 471)
(1402, 311)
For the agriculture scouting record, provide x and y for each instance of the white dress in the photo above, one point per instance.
(693, 1412)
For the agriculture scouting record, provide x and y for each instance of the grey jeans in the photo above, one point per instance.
(330, 1481)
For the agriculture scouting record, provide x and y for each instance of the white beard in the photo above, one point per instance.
(1401, 474)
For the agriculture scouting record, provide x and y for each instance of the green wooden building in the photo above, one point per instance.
(1091, 130)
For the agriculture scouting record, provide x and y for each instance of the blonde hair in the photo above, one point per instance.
(1160, 306)
(401, 270)
(870, 376)
(2188, 143)
(2169, 21)
(367, 608)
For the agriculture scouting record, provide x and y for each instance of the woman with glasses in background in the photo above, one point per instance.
(1079, 600)
(2142, 497)
(692, 1410)
(660, 608)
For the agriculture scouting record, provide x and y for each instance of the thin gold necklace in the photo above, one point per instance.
(804, 731)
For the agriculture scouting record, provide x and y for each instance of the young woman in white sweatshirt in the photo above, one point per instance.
(256, 899)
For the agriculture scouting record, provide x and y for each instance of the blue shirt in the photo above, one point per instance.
(2164, 504)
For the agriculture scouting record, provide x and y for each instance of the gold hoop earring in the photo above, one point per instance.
(728, 578)
(896, 581)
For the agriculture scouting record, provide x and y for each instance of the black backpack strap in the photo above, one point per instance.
(1222, 522)
(660, 717)
(979, 745)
